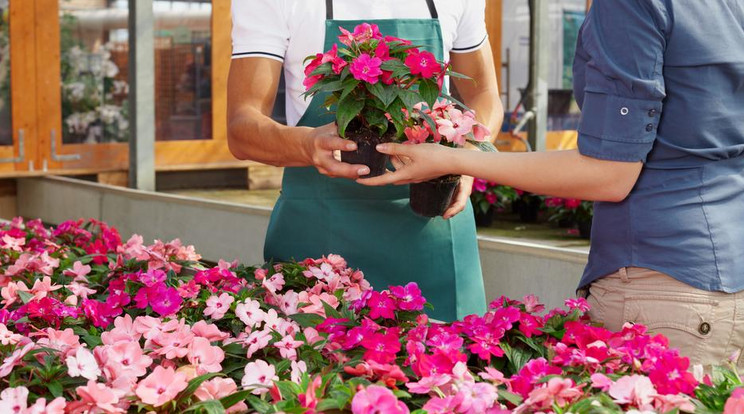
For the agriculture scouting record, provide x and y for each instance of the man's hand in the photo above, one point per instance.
(460, 199)
(319, 149)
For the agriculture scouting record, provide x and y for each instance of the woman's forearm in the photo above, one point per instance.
(558, 173)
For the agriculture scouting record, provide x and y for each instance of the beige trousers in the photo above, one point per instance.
(707, 327)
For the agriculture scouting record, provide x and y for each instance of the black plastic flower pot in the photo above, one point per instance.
(431, 198)
(528, 209)
(366, 152)
(585, 229)
(484, 219)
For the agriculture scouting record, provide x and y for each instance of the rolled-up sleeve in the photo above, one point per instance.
(618, 78)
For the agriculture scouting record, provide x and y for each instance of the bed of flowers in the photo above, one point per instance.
(92, 324)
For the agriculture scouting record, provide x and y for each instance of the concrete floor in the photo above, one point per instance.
(504, 227)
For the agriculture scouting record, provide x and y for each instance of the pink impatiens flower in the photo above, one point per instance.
(83, 364)
(250, 312)
(126, 358)
(259, 376)
(366, 68)
(217, 306)
(636, 390)
(735, 403)
(78, 271)
(287, 347)
(204, 356)
(98, 397)
(409, 297)
(217, 388)
(376, 399)
(161, 386)
(422, 63)
(8, 337)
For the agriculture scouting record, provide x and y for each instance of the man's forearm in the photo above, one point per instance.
(254, 136)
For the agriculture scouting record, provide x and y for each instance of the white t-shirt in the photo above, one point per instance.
(290, 30)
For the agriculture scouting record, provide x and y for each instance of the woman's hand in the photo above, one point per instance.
(413, 164)
(320, 148)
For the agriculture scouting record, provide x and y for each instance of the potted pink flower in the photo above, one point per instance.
(371, 83)
(446, 124)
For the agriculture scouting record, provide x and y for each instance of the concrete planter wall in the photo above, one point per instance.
(227, 230)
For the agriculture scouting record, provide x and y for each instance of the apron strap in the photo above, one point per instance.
(329, 9)
(429, 3)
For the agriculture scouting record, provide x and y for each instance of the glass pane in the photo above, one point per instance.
(94, 56)
(6, 129)
(183, 75)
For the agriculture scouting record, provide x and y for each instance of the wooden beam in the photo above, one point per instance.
(221, 52)
(494, 22)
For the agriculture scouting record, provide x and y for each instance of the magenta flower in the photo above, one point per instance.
(381, 305)
(422, 63)
(381, 347)
(366, 68)
(408, 296)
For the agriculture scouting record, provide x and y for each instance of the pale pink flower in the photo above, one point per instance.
(150, 327)
(429, 383)
(56, 406)
(161, 386)
(259, 376)
(601, 382)
(298, 368)
(99, 398)
(80, 290)
(8, 337)
(735, 403)
(83, 364)
(217, 306)
(256, 341)
(78, 271)
(557, 391)
(12, 243)
(124, 330)
(288, 302)
(204, 356)
(287, 347)
(274, 284)
(173, 344)
(10, 292)
(311, 335)
(250, 312)
(208, 331)
(126, 359)
(323, 273)
(636, 390)
(376, 399)
(14, 359)
(14, 400)
(493, 375)
(664, 403)
(64, 341)
(217, 388)
(43, 287)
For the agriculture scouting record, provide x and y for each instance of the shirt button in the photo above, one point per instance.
(649, 127)
(652, 113)
(624, 111)
(704, 328)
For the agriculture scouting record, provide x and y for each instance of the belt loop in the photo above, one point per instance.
(623, 273)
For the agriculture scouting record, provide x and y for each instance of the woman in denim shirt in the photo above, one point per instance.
(661, 150)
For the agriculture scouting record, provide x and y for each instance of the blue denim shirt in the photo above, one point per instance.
(662, 82)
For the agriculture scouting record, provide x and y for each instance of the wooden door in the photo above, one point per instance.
(17, 89)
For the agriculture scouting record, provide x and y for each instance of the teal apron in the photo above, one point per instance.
(373, 228)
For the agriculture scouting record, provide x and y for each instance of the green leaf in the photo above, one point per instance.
(429, 91)
(195, 383)
(25, 296)
(330, 311)
(55, 388)
(324, 69)
(349, 85)
(409, 98)
(258, 404)
(386, 95)
(307, 320)
(235, 398)
(348, 109)
(208, 407)
(511, 397)
(396, 66)
(331, 86)
(328, 404)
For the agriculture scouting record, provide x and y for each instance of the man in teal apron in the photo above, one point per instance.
(374, 229)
